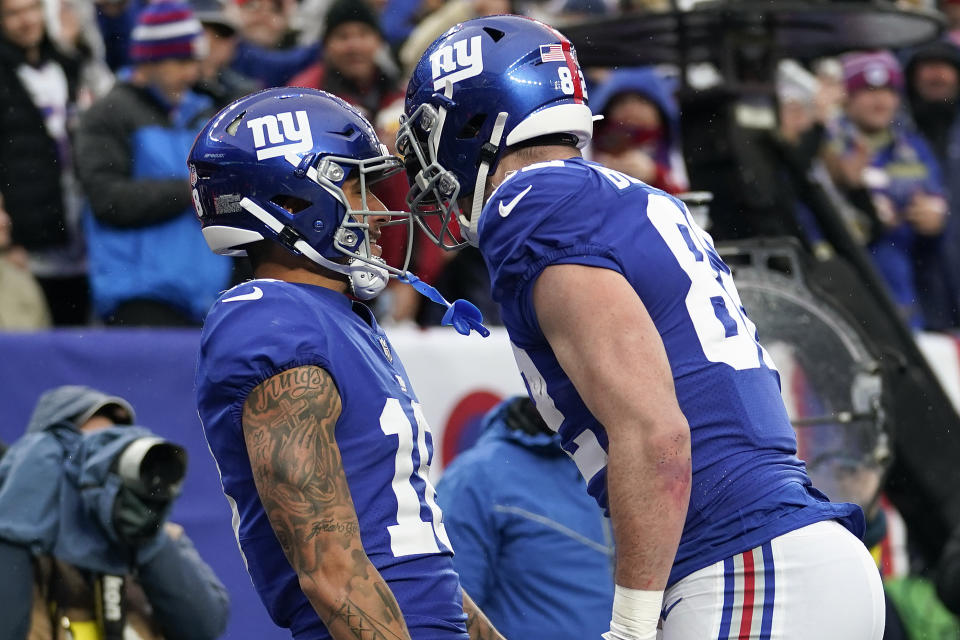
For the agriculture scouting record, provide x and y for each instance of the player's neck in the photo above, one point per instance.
(299, 274)
(516, 160)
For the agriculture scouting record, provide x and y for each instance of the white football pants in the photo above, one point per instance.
(816, 583)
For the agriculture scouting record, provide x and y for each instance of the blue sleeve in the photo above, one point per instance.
(188, 599)
(398, 19)
(273, 67)
(558, 219)
(244, 343)
(464, 497)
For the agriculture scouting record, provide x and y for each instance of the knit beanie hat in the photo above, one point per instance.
(874, 70)
(343, 11)
(166, 30)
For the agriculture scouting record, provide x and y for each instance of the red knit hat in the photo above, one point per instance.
(165, 30)
(874, 70)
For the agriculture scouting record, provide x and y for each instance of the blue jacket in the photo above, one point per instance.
(57, 491)
(532, 548)
(143, 238)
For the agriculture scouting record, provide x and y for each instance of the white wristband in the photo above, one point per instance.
(635, 614)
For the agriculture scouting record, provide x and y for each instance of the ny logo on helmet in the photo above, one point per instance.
(278, 135)
(456, 61)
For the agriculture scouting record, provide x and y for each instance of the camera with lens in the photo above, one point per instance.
(151, 471)
(152, 468)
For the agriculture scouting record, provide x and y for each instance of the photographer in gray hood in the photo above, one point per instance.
(84, 499)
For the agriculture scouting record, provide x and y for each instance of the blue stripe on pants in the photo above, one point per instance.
(769, 591)
(727, 615)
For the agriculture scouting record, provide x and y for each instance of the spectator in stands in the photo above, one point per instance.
(354, 65)
(149, 263)
(639, 133)
(24, 306)
(265, 23)
(267, 51)
(116, 19)
(71, 527)
(807, 106)
(217, 79)
(533, 550)
(951, 9)
(890, 171)
(933, 94)
(37, 92)
(399, 17)
(76, 32)
(445, 16)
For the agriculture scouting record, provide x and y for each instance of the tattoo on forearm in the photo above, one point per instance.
(362, 625)
(331, 526)
(288, 424)
(389, 602)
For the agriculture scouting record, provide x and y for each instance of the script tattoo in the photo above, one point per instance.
(289, 424)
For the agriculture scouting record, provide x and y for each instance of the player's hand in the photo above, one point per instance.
(927, 214)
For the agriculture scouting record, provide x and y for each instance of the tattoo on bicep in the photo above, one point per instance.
(289, 422)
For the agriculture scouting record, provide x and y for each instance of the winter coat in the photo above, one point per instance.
(532, 548)
(143, 238)
(30, 163)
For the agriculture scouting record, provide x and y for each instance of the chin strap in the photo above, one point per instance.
(366, 278)
(462, 315)
(488, 154)
(370, 280)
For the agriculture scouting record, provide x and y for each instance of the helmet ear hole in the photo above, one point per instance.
(235, 124)
(291, 203)
(472, 127)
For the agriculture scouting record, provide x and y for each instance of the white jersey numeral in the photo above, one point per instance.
(411, 535)
(725, 332)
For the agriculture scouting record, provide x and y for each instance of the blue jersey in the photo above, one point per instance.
(748, 485)
(264, 327)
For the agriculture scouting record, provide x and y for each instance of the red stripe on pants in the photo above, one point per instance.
(746, 618)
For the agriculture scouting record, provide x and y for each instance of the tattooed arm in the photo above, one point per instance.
(288, 425)
(478, 625)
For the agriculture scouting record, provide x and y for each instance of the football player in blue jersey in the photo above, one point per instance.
(323, 449)
(634, 345)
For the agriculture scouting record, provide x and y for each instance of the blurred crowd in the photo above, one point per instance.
(100, 101)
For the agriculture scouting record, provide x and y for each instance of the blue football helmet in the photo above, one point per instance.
(484, 86)
(271, 166)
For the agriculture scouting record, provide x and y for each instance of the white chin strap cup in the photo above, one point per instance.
(367, 280)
